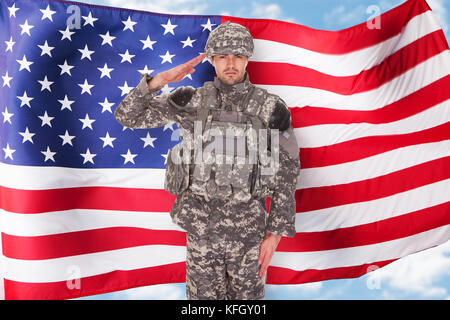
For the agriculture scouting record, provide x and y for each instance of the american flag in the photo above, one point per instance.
(82, 205)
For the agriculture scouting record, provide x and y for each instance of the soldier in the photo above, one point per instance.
(222, 204)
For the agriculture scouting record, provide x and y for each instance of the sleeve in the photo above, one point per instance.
(141, 108)
(281, 220)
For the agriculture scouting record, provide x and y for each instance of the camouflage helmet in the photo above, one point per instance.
(229, 38)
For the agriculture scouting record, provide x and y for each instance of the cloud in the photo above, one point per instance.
(420, 273)
(437, 6)
(171, 7)
(267, 11)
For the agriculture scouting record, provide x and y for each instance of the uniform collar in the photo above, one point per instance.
(240, 87)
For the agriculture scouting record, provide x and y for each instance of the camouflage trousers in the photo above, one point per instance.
(217, 268)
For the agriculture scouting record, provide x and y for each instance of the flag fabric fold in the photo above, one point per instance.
(82, 205)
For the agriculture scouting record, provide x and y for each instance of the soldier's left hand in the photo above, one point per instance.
(266, 251)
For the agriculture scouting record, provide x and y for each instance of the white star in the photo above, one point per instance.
(65, 104)
(107, 38)
(27, 135)
(86, 53)
(169, 27)
(65, 68)
(7, 116)
(12, 10)
(89, 19)
(67, 34)
(125, 89)
(165, 157)
(148, 43)
(9, 44)
(169, 126)
(48, 154)
(128, 24)
(106, 105)
(6, 80)
(167, 57)
(8, 152)
(24, 63)
(47, 13)
(46, 49)
(148, 140)
(87, 122)
(88, 156)
(126, 56)
(67, 138)
(46, 119)
(25, 100)
(166, 89)
(188, 42)
(107, 140)
(26, 28)
(146, 70)
(105, 71)
(45, 84)
(86, 87)
(129, 157)
(208, 25)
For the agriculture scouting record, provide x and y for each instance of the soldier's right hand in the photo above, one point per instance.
(175, 74)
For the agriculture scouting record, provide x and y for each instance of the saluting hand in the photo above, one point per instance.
(175, 74)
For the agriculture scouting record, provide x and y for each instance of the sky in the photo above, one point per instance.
(424, 275)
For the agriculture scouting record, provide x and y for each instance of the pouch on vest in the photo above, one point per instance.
(177, 171)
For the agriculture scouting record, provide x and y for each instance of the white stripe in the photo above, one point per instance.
(329, 134)
(2, 272)
(40, 178)
(355, 256)
(374, 166)
(62, 269)
(30, 225)
(359, 213)
(412, 80)
(348, 64)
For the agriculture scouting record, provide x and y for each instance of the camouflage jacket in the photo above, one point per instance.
(142, 108)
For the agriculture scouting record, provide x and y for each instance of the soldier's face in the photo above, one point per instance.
(230, 68)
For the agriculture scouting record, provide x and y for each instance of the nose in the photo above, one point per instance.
(230, 60)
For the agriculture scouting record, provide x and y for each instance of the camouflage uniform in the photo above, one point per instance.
(223, 235)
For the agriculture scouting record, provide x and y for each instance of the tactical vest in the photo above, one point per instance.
(223, 159)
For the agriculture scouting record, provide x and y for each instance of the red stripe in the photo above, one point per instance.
(104, 198)
(370, 233)
(285, 74)
(334, 42)
(87, 241)
(407, 106)
(278, 275)
(330, 196)
(103, 283)
(365, 147)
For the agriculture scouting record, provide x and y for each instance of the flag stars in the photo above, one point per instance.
(146, 70)
(167, 57)
(169, 27)
(25, 64)
(26, 28)
(86, 87)
(105, 71)
(46, 49)
(67, 138)
(148, 43)
(88, 156)
(106, 105)
(89, 19)
(125, 89)
(208, 25)
(65, 68)
(107, 38)
(107, 140)
(7, 116)
(9, 44)
(86, 53)
(126, 56)
(46, 119)
(66, 34)
(45, 84)
(148, 140)
(8, 152)
(25, 99)
(12, 10)
(128, 157)
(188, 42)
(129, 24)
(66, 103)
(87, 123)
(27, 136)
(6, 80)
(47, 13)
(48, 154)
